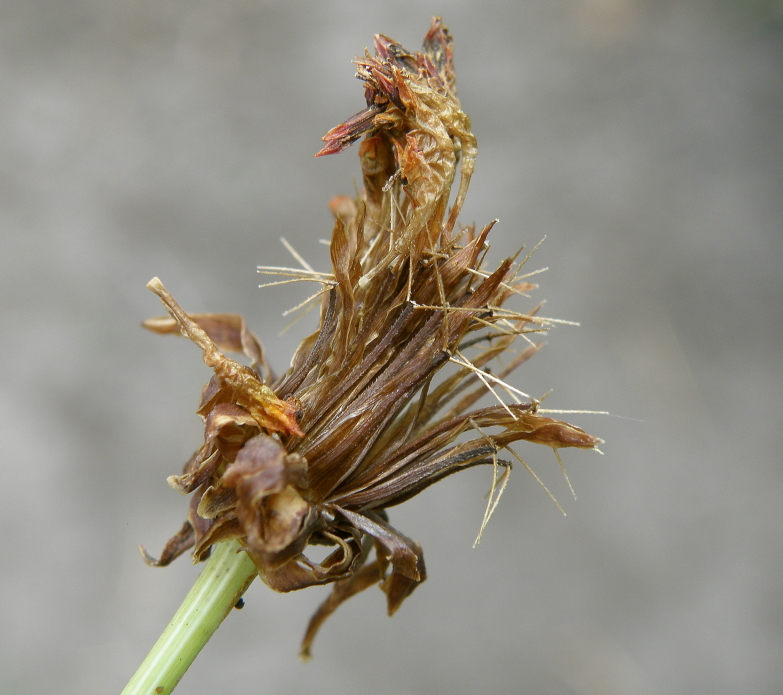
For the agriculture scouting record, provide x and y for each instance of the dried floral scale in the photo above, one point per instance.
(358, 423)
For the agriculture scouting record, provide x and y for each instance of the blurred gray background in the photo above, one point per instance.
(644, 138)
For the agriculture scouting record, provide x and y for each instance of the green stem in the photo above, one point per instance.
(220, 585)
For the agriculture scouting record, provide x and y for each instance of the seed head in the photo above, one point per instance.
(377, 404)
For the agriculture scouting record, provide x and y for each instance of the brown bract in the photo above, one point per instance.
(360, 422)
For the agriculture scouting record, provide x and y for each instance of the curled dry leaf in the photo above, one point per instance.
(359, 422)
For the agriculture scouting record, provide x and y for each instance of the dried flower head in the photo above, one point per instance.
(359, 423)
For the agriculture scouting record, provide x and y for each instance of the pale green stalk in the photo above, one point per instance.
(220, 585)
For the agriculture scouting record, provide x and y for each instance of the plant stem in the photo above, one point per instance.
(224, 579)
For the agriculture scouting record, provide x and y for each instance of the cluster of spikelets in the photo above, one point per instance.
(359, 423)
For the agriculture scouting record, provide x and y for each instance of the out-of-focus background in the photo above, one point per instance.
(644, 138)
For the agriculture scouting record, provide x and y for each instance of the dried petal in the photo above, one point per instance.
(267, 409)
(228, 331)
(269, 506)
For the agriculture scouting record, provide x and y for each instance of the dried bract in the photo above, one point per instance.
(359, 423)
